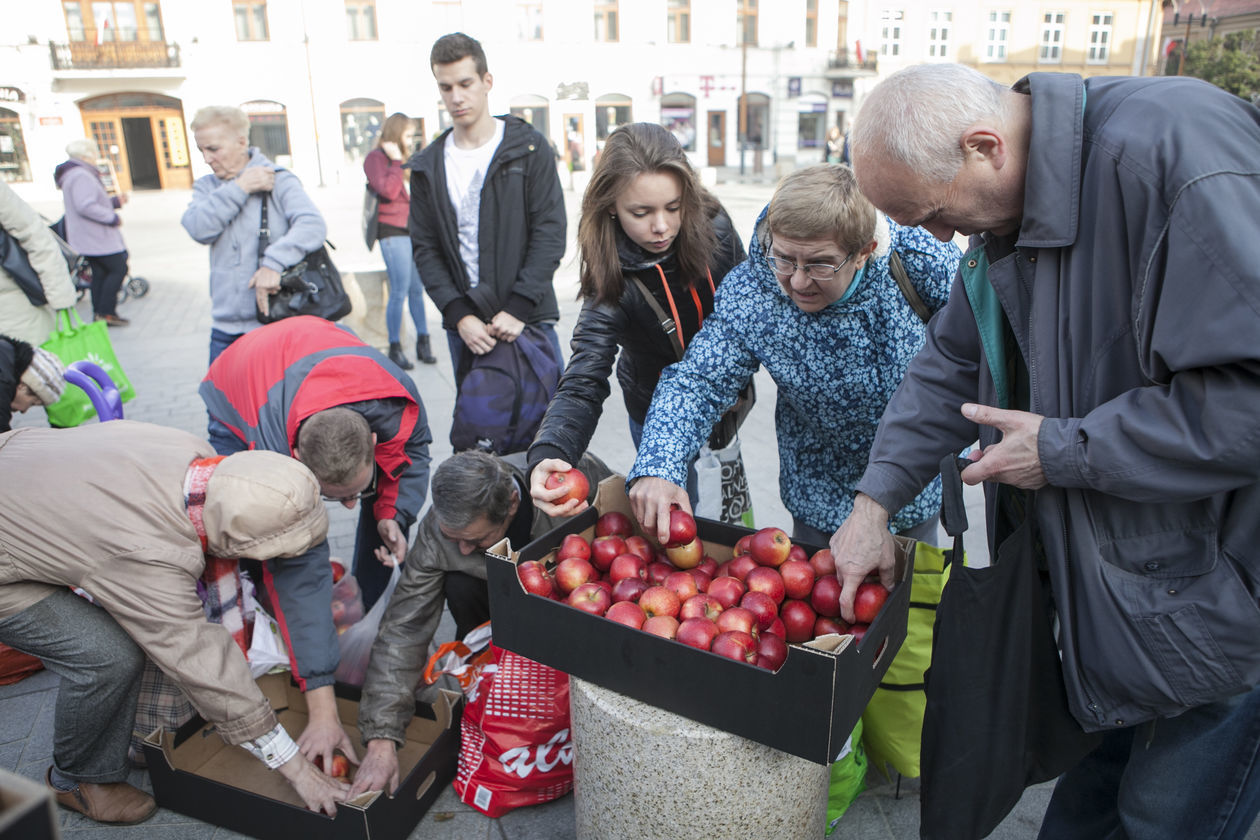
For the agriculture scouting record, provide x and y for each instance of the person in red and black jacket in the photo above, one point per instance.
(308, 388)
(645, 216)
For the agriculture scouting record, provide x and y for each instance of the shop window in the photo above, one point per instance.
(611, 110)
(361, 121)
(14, 164)
(533, 109)
(678, 114)
(269, 130)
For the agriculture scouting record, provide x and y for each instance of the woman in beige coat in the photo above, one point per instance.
(109, 508)
(19, 318)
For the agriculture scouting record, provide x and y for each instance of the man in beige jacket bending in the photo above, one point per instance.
(116, 509)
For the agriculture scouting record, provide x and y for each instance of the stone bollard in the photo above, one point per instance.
(646, 773)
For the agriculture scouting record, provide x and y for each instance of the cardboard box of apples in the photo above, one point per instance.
(726, 626)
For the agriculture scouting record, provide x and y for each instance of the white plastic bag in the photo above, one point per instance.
(722, 485)
(267, 651)
(356, 642)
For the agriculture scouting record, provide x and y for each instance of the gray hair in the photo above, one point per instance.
(83, 149)
(917, 115)
(469, 485)
(228, 115)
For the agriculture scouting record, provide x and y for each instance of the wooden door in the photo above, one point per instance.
(717, 138)
(163, 144)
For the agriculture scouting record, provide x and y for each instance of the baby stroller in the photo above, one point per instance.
(81, 271)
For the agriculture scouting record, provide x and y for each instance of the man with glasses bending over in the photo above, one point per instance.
(816, 303)
(308, 388)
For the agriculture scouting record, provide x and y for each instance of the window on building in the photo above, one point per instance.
(533, 109)
(1099, 37)
(361, 121)
(529, 21)
(1051, 38)
(14, 165)
(811, 23)
(996, 35)
(269, 130)
(842, 26)
(361, 20)
(448, 16)
(611, 110)
(678, 23)
(890, 31)
(678, 114)
(939, 24)
(746, 22)
(753, 118)
(251, 20)
(606, 21)
(113, 20)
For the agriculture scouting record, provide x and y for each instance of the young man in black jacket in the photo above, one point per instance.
(487, 215)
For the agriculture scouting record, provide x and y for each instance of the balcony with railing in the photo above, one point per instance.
(845, 62)
(113, 55)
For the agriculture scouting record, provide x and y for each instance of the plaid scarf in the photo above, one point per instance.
(220, 584)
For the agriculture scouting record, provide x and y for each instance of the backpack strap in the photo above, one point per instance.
(667, 323)
(907, 288)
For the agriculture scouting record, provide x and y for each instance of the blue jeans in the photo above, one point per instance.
(458, 349)
(221, 437)
(693, 481)
(1191, 777)
(405, 287)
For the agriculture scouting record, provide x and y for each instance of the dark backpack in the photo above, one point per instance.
(502, 396)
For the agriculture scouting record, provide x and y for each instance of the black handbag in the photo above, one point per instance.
(371, 223)
(13, 259)
(997, 718)
(311, 287)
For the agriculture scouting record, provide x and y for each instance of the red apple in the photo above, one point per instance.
(591, 598)
(640, 546)
(798, 578)
(700, 606)
(627, 566)
(535, 578)
(867, 602)
(824, 625)
(768, 580)
(702, 580)
(741, 545)
(738, 618)
(823, 562)
(658, 600)
(574, 483)
(605, 549)
(727, 591)
(761, 605)
(683, 585)
(603, 584)
(658, 570)
(340, 766)
(697, 632)
(741, 566)
(627, 613)
(770, 546)
(574, 545)
(613, 524)
(776, 628)
(772, 651)
(338, 570)
(665, 626)
(859, 632)
(825, 599)
(737, 645)
(708, 565)
(682, 528)
(798, 620)
(572, 573)
(797, 552)
(629, 589)
(686, 556)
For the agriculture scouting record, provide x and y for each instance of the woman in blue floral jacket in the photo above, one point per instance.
(816, 304)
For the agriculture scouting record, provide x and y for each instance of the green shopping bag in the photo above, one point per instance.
(894, 717)
(74, 341)
(848, 778)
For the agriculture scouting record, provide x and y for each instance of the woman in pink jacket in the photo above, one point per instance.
(384, 169)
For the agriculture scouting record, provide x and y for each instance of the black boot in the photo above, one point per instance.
(423, 353)
(396, 356)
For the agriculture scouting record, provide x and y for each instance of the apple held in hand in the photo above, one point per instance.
(340, 769)
(682, 528)
(574, 545)
(535, 578)
(613, 524)
(572, 573)
(697, 632)
(737, 645)
(770, 547)
(591, 598)
(868, 601)
(627, 613)
(573, 482)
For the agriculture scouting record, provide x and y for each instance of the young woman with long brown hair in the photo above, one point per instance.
(647, 223)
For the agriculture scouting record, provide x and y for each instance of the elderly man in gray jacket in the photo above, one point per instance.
(1103, 341)
(478, 499)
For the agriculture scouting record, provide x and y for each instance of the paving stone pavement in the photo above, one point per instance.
(164, 353)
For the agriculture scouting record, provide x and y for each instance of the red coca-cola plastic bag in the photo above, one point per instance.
(517, 747)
